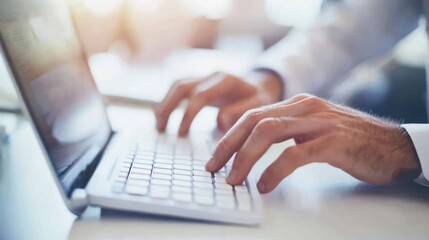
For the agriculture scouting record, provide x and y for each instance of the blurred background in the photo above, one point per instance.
(138, 46)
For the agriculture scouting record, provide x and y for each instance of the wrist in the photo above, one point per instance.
(410, 167)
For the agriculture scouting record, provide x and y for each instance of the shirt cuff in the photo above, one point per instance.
(419, 134)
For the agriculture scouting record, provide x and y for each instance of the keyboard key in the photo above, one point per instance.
(203, 185)
(121, 179)
(220, 191)
(122, 174)
(203, 191)
(139, 176)
(223, 185)
(182, 197)
(163, 156)
(141, 171)
(239, 188)
(128, 160)
(227, 202)
(158, 191)
(124, 169)
(203, 179)
(167, 161)
(199, 167)
(244, 202)
(136, 190)
(138, 182)
(182, 167)
(118, 187)
(161, 176)
(163, 165)
(182, 177)
(162, 171)
(161, 182)
(143, 161)
(126, 165)
(142, 166)
(181, 189)
(182, 183)
(183, 157)
(202, 173)
(183, 162)
(204, 199)
(182, 172)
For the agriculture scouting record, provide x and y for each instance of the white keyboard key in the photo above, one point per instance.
(161, 182)
(136, 190)
(118, 187)
(203, 191)
(143, 161)
(183, 162)
(182, 183)
(183, 167)
(122, 174)
(121, 179)
(183, 157)
(182, 177)
(204, 199)
(182, 172)
(203, 185)
(203, 179)
(157, 191)
(227, 202)
(166, 161)
(181, 189)
(138, 182)
(124, 169)
(142, 166)
(199, 167)
(223, 185)
(182, 197)
(139, 176)
(141, 171)
(161, 176)
(162, 171)
(244, 202)
(163, 165)
(239, 188)
(226, 192)
(202, 173)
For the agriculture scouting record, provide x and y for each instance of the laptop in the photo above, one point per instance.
(91, 164)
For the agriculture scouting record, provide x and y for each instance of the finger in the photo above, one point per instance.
(229, 114)
(291, 159)
(179, 91)
(267, 132)
(238, 134)
(219, 86)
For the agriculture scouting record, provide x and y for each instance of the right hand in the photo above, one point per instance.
(233, 95)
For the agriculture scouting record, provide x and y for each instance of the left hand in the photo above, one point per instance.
(370, 149)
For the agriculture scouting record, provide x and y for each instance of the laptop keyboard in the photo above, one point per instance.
(166, 168)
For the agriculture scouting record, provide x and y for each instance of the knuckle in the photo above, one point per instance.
(267, 126)
(222, 146)
(314, 102)
(253, 115)
(301, 96)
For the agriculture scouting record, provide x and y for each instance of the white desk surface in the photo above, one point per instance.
(316, 202)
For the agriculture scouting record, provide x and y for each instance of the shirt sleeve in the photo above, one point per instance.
(313, 60)
(419, 134)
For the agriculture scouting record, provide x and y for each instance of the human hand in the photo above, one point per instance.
(370, 149)
(233, 95)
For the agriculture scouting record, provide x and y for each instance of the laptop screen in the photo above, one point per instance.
(53, 77)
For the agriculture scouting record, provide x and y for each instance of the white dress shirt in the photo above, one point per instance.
(355, 31)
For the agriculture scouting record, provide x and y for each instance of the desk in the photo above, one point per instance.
(316, 202)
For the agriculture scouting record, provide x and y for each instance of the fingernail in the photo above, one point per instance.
(261, 187)
(210, 164)
(232, 177)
